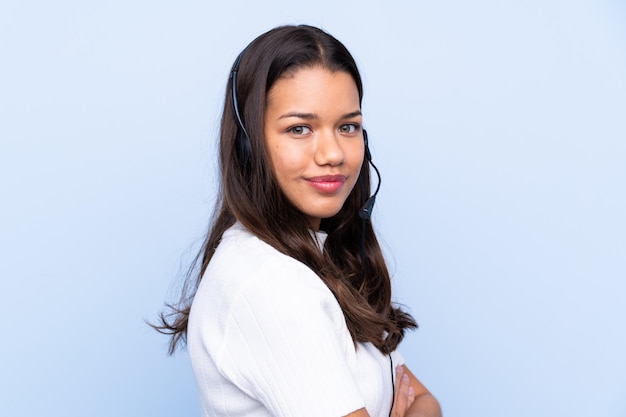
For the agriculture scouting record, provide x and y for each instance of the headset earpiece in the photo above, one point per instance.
(242, 144)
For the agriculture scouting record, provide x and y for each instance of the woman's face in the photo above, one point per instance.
(314, 139)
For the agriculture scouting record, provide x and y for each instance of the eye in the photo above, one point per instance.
(349, 128)
(300, 130)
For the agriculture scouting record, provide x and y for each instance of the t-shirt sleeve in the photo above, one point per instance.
(396, 358)
(286, 345)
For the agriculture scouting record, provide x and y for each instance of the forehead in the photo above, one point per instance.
(314, 86)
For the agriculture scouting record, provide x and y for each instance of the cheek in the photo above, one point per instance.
(355, 162)
(284, 161)
(291, 157)
(357, 156)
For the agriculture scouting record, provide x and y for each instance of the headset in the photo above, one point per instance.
(244, 152)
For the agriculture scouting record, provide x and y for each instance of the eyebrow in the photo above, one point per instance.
(312, 116)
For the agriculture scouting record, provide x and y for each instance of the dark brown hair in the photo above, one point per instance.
(252, 196)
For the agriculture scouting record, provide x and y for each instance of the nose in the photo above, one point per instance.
(328, 149)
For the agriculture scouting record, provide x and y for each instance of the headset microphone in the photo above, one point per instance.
(366, 211)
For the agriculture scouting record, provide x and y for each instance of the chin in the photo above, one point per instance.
(323, 214)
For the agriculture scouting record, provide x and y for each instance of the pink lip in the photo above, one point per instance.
(327, 183)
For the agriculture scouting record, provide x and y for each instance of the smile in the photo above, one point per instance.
(327, 183)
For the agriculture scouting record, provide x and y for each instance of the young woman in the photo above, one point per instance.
(291, 314)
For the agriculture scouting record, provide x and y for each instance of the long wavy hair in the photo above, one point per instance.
(352, 263)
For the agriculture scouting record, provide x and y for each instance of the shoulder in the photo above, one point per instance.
(243, 261)
(246, 273)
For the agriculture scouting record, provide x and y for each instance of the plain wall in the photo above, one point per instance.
(499, 129)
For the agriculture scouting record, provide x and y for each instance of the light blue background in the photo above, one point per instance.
(500, 131)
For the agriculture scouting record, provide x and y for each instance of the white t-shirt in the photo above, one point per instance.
(266, 337)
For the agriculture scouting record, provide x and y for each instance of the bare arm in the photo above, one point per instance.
(361, 412)
(425, 404)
